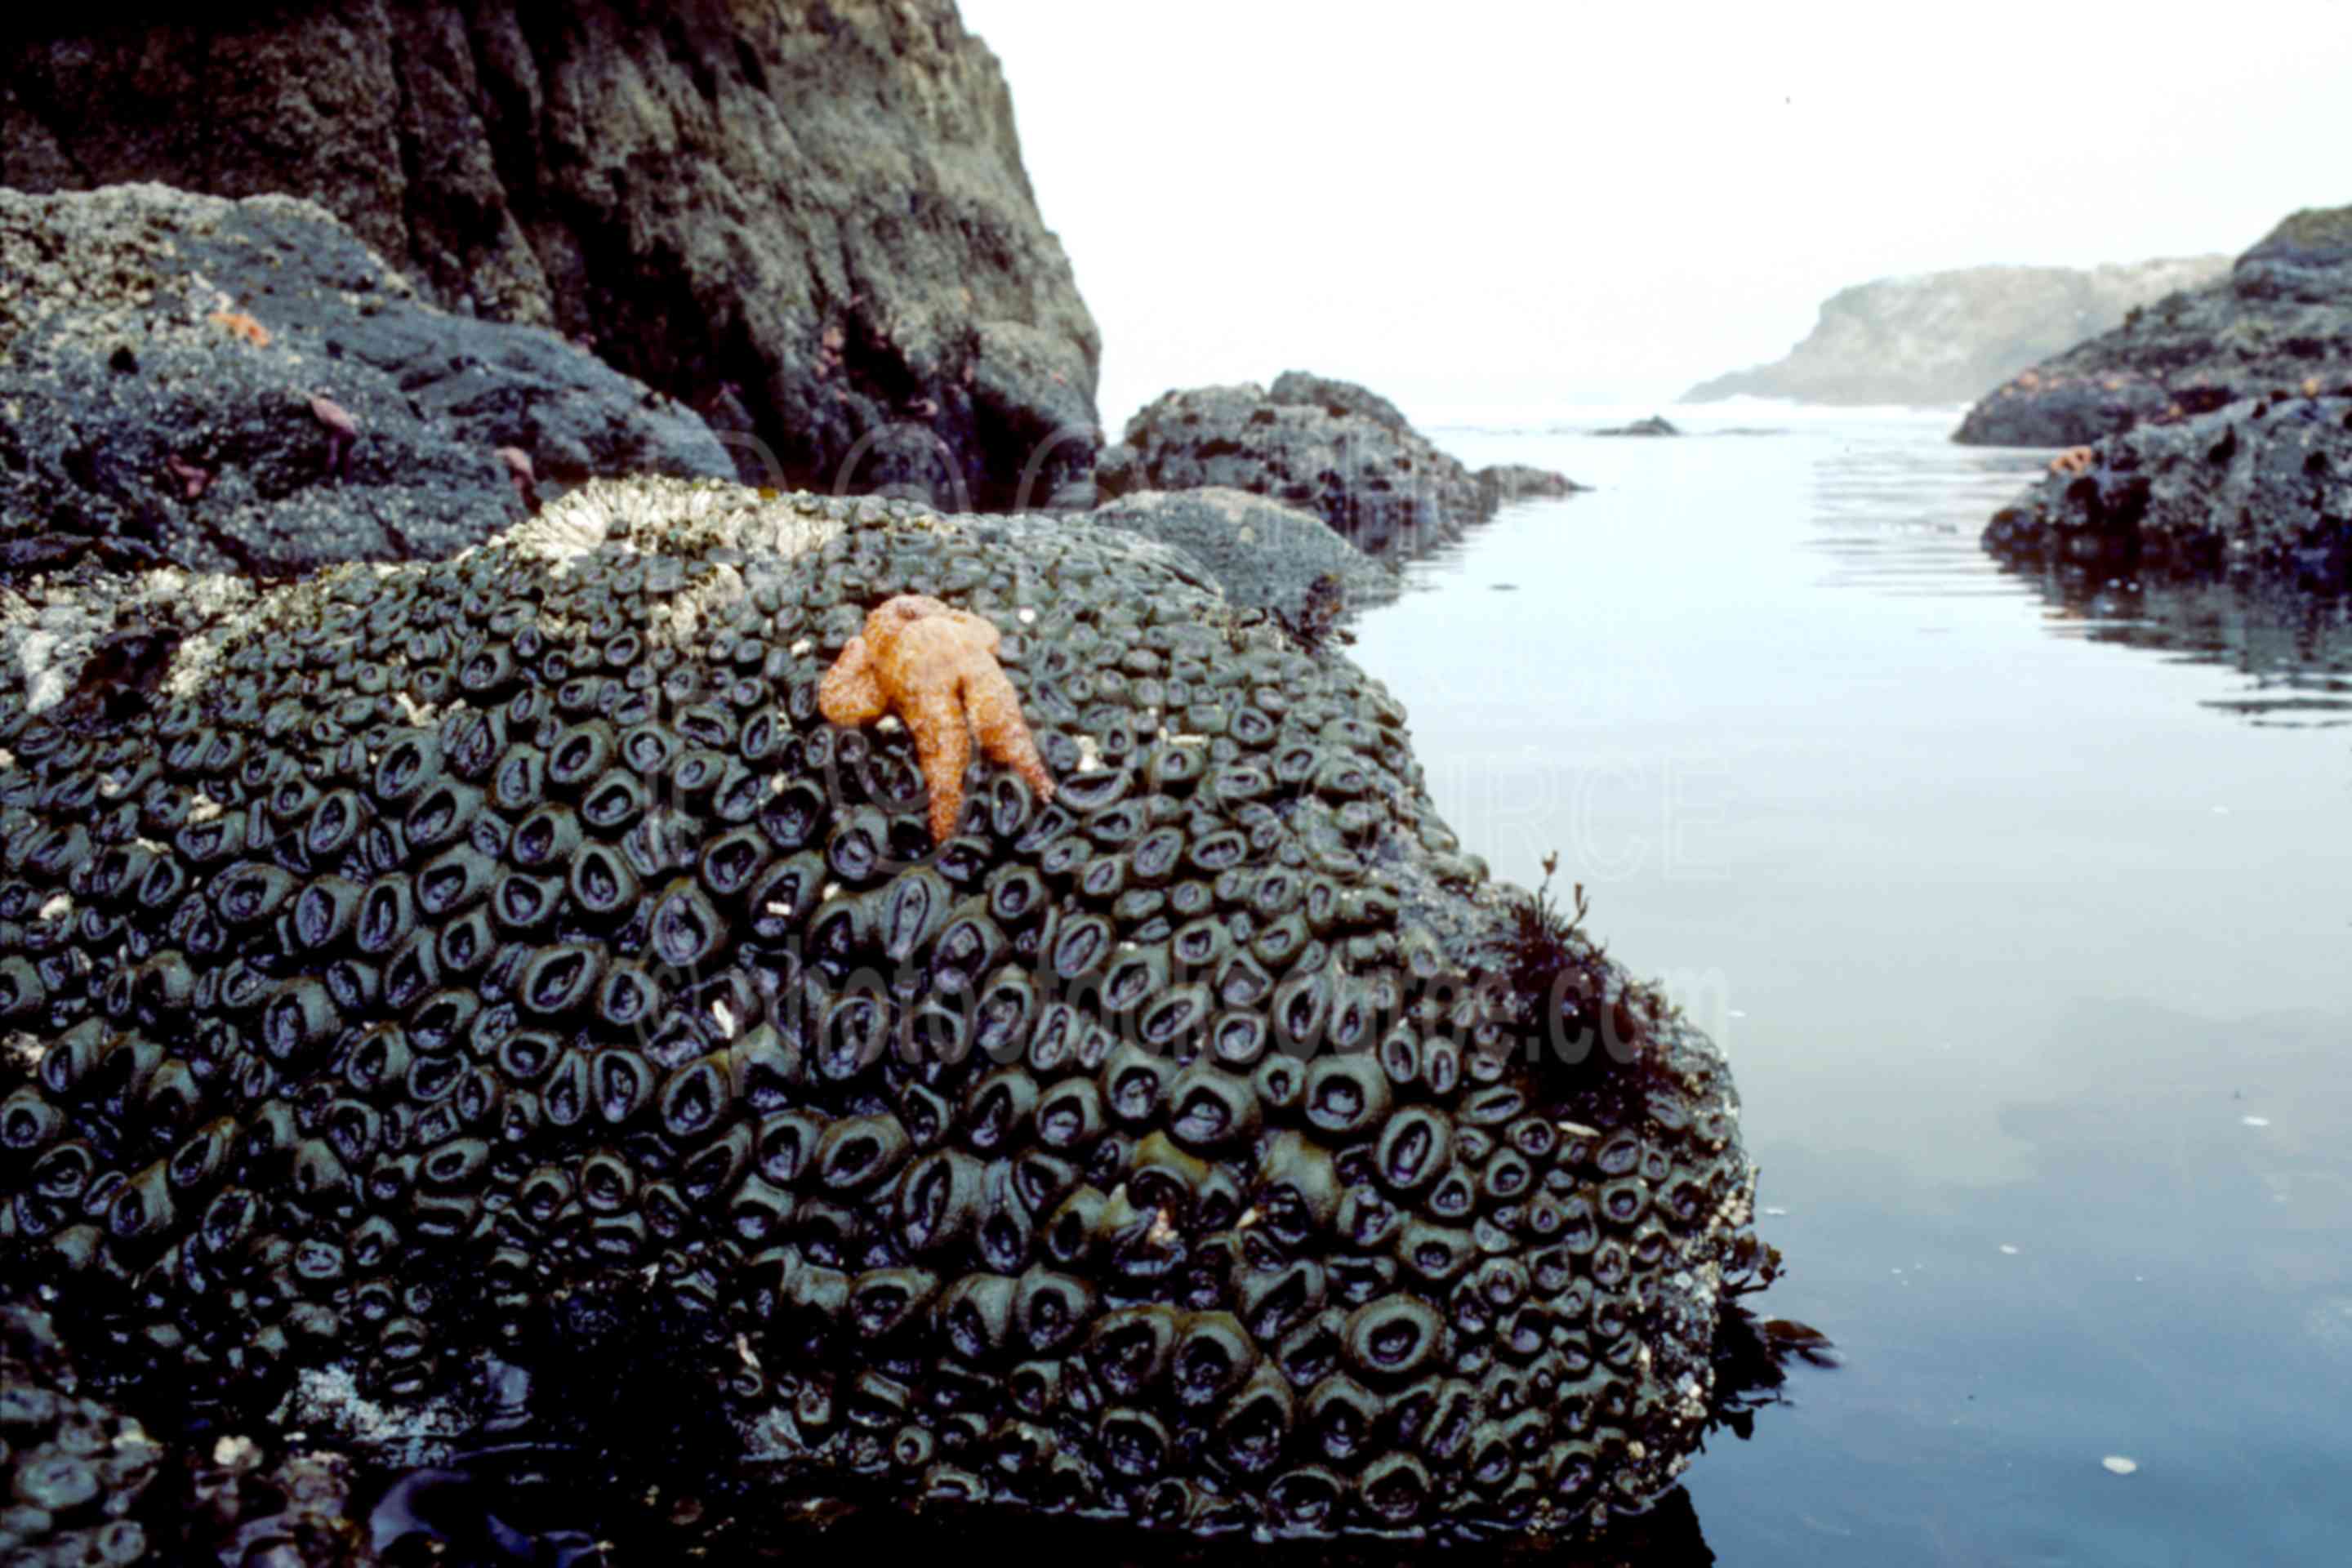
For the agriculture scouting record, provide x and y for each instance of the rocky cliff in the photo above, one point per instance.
(2281, 318)
(1944, 337)
(808, 218)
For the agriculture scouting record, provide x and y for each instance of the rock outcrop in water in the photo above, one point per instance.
(1654, 424)
(1944, 337)
(2261, 487)
(1504, 482)
(808, 219)
(482, 1001)
(2281, 316)
(1328, 447)
(162, 360)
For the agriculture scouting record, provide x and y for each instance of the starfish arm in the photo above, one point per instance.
(849, 694)
(996, 710)
(979, 631)
(943, 748)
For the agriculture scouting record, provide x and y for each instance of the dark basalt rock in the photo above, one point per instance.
(2282, 317)
(1656, 424)
(159, 353)
(1183, 1153)
(2261, 487)
(1262, 553)
(1326, 446)
(808, 219)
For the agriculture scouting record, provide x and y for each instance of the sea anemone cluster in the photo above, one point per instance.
(429, 949)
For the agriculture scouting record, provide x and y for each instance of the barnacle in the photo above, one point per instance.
(483, 939)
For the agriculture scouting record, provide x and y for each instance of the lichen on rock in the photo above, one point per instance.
(475, 1001)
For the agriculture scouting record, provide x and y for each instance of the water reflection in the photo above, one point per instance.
(2294, 650)
(1901, 518)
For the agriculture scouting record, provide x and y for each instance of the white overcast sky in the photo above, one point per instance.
(1477, 204)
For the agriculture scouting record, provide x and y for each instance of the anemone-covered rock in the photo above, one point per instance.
(2261, 487)
(243, 385)
(1327, 446)
(482, 1002)
(1262, 553)
(74, 1470)
(2281, 316)
(84, 1482)
(808, 218)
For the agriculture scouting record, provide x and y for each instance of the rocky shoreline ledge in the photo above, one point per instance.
(2258, 486)
(2282, 319)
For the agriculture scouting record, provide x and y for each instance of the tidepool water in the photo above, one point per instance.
(2025, 918)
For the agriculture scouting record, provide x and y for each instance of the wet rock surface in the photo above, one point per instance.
(2261, 487)
(1261, 553)
(808, 220)
(1327, 447)
(482, 1001)
(2282, 317)
(1944, 337)
(244, 385)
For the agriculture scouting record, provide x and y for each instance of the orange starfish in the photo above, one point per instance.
(936, 669)
(244, 326)
(2074, 460)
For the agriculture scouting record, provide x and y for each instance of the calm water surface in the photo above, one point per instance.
(2027, 922)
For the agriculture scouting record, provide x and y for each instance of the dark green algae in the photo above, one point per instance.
(483, 996)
